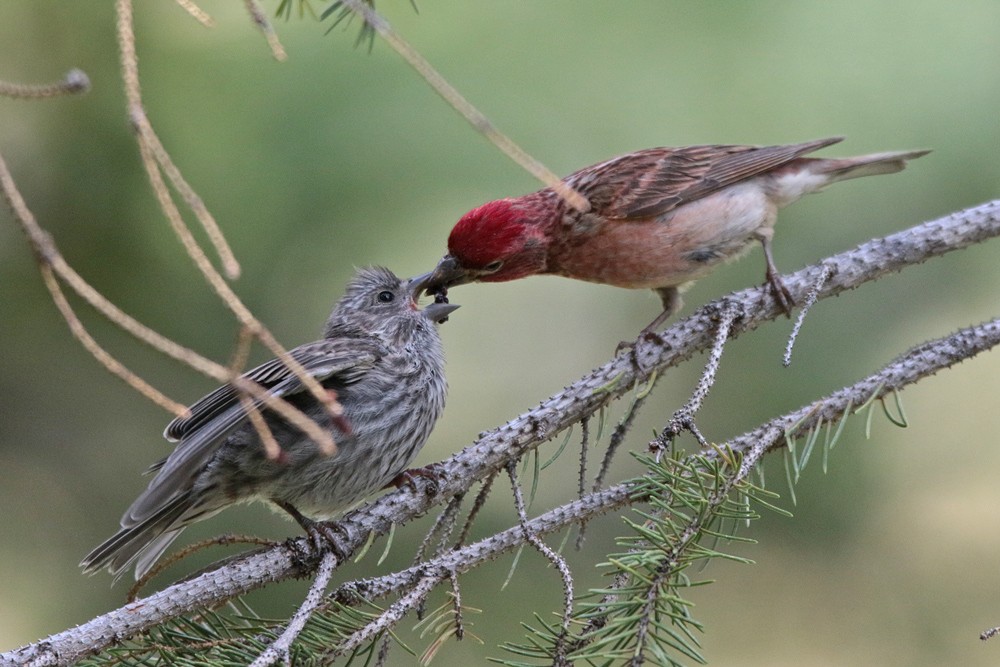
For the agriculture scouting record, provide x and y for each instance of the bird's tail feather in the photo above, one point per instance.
(864, 165)
(143, 542)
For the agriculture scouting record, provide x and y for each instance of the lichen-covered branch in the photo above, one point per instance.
(493, 450)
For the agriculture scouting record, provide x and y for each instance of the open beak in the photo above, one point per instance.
(439, 310)
(447, 274)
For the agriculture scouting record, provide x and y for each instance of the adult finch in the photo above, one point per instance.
(658, 218)
(379, 354)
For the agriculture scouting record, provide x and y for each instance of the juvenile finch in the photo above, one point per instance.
(658, 218)
(383, 359)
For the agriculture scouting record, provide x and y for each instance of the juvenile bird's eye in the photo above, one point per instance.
(493, 267)
(386, 296)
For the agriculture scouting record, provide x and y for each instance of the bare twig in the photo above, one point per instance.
(475, 117)
(581, 484)
(260, 20)
(103, 357)
(280, 649)
(391, 615)
(237, 363)
(51, 262)
(151, 146)
(456, 600)
(74, 82)
(683, 419)
(618, 435)
(558, 561)
(477, 504)
(443, 524)
(810, 300)
(49, 256)
(199, 14)
(155, 157)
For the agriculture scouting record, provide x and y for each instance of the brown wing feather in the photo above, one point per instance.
(652, 182)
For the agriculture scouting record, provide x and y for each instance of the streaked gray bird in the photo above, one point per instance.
(379, 353)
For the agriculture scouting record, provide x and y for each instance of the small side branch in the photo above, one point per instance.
(392, 615)
(260, 19)
(811, 298)
(197, 13)
(557, 561)
(473, 115)
(280, 649)
(683, 419)
(74, 83)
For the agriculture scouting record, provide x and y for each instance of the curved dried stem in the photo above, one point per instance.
(261, 21)
(154, 158)
(51, 260)
(199, 14)
(50, 264)
(151, 146)
(103, 357)
(474, 116)
(74, 83)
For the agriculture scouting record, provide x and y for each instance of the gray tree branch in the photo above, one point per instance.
(494, 449)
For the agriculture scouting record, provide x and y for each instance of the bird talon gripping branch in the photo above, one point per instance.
(433, 473)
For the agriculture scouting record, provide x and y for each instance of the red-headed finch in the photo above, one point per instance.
(379, 354)
(658, 218)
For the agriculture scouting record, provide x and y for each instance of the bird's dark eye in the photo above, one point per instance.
(493, 267)
(386, 296)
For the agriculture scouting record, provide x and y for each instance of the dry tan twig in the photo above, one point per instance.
(155, 158)
(73, 83)
(260, 20)
(49, 256)
(105, 358)
(199, 14)
(50, 263)
(474, 116)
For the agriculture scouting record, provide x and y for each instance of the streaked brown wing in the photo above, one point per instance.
(652, 182)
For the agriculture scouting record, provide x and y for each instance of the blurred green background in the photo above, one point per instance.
(339, 158)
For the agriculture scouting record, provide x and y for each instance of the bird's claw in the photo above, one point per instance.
(328, 535)
(645, 335)
(433, 473)
(781, 293)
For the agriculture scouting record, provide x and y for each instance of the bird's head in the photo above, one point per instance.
(498, 241)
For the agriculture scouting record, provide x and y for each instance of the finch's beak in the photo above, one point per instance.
(447, 274)
(437, 311)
